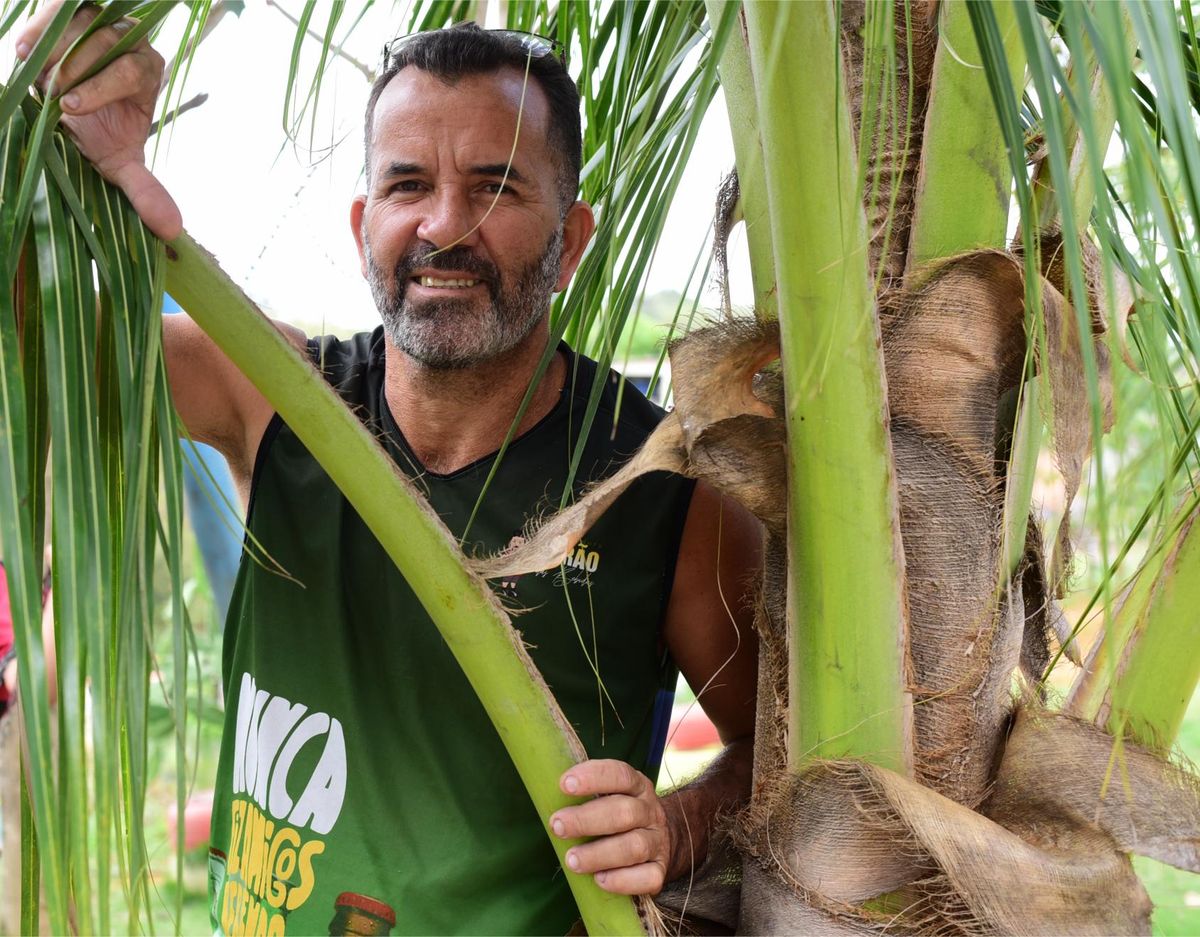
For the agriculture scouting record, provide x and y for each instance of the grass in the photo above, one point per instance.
(1176, 894)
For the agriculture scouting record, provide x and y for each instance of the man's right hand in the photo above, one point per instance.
(109, 115)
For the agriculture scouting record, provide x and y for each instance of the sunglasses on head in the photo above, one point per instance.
(534, 45)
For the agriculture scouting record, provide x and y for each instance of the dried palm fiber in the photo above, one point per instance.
(964, 637)
(954, 349)
(1043, 617)
(1071, 437)
(1055, 765)
(723, 430)
(728, 213)
(890, 142)
(1048, 858)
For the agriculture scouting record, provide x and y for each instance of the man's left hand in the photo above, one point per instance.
(631, 854)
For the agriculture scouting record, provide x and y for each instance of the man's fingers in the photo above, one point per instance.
(142, 66)
(27, 38)
(644, 879)
(604, 776)
(615, 813)
(38, 24)
(87, 54)
(113, 137)
(141, 70)
(149, 199)
(616, 852)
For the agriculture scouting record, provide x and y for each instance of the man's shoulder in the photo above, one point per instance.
(331, 351)
(352, 365)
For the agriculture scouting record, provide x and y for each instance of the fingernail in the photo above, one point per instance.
(573, 861)
(22, 49)
(571, 784)
(71, 100)
(601, 878)
(559, 829)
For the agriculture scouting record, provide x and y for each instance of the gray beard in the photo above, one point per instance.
(454, 334)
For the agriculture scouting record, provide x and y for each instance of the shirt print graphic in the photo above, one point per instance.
(276, 839)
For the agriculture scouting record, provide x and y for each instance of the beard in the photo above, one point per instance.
(451, 333)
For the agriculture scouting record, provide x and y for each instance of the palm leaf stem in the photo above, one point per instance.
(963, 194)
(1137, 683)
(846, 623)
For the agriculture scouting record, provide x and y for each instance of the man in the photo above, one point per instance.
(359, 779)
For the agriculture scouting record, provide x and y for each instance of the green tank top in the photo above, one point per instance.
(361, 785)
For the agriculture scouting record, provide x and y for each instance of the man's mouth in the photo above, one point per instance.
(454, 283)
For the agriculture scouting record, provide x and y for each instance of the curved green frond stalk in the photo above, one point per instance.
(963, 192)
(845, 567)
(737, 83)
(1140, 677)
(537, 735)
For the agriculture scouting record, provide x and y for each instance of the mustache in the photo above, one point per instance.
(452, 260)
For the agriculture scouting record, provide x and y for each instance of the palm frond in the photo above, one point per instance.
(84, 383)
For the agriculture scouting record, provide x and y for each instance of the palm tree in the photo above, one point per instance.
(909, 584)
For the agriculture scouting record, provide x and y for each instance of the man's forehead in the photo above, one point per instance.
(414, 92)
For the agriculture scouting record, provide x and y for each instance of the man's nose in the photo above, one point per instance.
(450, 219)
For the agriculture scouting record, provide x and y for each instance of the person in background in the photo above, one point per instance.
(213, 505)
(10, 749)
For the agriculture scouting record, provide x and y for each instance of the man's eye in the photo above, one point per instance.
(407, 185)
(496, 188)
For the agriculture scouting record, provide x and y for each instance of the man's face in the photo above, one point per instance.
(438, 159)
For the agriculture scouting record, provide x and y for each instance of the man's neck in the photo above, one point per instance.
(451, 418)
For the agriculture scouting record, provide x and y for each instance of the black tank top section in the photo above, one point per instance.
(341, 662)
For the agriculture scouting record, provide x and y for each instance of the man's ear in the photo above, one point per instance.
(578, 227)
(358, 209)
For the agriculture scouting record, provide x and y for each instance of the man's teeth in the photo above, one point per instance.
(451, 284)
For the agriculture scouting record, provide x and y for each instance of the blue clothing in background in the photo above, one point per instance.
(213, 509)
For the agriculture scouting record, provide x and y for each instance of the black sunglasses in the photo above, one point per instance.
(534, 45)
